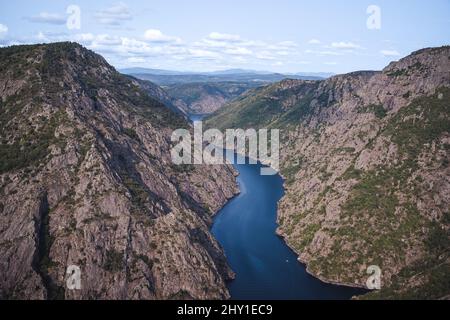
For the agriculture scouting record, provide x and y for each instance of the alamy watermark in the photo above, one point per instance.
(374, 281)
(213, 147)
(74, 17)
(73, 278)
(374, 19)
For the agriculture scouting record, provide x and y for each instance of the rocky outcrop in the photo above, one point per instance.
(365, 157)
(86, 179)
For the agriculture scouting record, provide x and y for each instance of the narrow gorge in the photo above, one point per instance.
(366, 158)
(87, 180)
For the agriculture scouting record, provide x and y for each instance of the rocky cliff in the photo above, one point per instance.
(86, 179)
(366, 161)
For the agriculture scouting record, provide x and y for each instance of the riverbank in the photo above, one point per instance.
(305, 263)
(265, 266)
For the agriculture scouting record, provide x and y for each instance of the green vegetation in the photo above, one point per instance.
(139, 194)
(15, 59)
(264, 107)
(308, 234)
(377, 109)
(374, 193)
(132, 134)
(296, 113)
(138, 102)
(398, 73)
(192, 92)
(113, 261)
(352, 173)
(406, 72)
(44, 262)
(426, 279)
(181, 295)
(32, 147)
(377, 222)
(421, 122)
(289, 172)
(432, 272)
(146, 260)
(438, 241)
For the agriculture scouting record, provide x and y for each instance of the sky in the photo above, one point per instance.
(287, 36)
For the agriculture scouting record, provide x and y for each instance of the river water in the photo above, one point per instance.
(265, 267)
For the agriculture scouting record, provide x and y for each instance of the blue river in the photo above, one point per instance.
(266, 268)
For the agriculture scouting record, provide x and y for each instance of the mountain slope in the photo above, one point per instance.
(204, 93)
(366, 162)
(205, 98)
(169, 78)
(86, 179)
(160, 94)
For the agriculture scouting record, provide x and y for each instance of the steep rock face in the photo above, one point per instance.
(87, 180)
(366, 162)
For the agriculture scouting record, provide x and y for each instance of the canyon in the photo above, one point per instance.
(365, 158)
(87, 179)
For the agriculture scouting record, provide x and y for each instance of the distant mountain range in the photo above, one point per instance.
(221, 72)
(206, 92)
(165, 77)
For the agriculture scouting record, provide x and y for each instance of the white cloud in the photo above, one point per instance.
(240, 59)
(85, 37)
(48, 18)
(107, 40)
(253, 43)
(239, 51)
(3, 30)
(314, 41)
(323, 53)
(199, 53)
(154, 35)
(390, 53)
(332, 63)
(155, 46)
(224, 36)
(287, 44)
(212, 44)
(345, 45)
(136, 60)
(115, 15)
(265, 55)
(41, 36)
(51, 36)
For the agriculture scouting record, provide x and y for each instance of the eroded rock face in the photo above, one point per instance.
(87, 180)
(366, 161)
